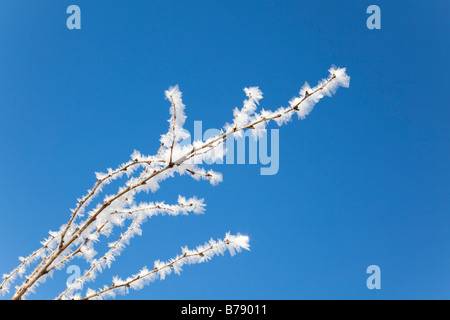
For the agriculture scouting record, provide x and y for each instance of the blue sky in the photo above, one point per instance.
(363, 180)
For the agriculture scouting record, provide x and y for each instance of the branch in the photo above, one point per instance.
(145, 276)
(173, 159)
(139, 214)
(91, 194)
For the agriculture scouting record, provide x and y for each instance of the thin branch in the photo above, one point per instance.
(93, 191)
(157, 207)
(96, 263)
(186, 257)
(26, 261)
(173, 129)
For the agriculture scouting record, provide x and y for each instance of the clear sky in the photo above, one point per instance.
(363, 180)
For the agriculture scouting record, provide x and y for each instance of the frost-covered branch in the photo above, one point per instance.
(232, 243)
(139, 214)
(21, 269)
(142, 173)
